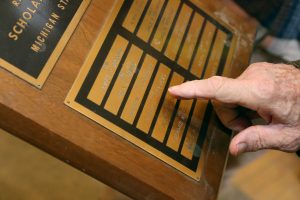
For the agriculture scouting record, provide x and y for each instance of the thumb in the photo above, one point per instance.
(257, 137)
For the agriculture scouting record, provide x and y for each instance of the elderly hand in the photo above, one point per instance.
(272, 90)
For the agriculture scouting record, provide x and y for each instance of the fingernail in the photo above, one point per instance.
(241, 147)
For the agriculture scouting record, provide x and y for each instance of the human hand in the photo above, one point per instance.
(271, 90)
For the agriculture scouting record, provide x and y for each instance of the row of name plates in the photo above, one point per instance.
(145, 47)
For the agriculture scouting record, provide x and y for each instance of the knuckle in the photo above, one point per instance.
(216, 82)
(265, 89)
(258, 67)
(259, 140)
(194, 87)
(289, 142)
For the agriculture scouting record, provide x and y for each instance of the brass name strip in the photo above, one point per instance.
(203, 50)
(151, 104)
(166, 111)
(178, 32)
(194, 128)
(108, 70)
(177, 130)
(150, 19)
(134, 14)
(121, 85)
(216, 55)
(190, 42)
(165, 25)
(139, 88)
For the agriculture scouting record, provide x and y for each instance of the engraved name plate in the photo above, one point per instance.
(144, 48)
(34, 33)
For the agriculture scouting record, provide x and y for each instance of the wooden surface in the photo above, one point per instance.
(261, 180)
(41, 118)
(19, 182)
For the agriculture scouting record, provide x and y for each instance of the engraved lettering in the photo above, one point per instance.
(22, 22)
(40, 40)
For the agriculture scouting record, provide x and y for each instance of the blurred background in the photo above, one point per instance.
(26, 173)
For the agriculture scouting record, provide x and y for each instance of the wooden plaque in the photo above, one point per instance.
(144, 48)
(34, 33)
(164, 149)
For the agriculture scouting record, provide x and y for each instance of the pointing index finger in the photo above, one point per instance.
(223, 89)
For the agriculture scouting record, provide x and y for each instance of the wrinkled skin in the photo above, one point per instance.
(272, 91)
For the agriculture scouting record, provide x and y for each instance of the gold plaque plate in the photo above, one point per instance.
(33, 34)
(144, 48)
